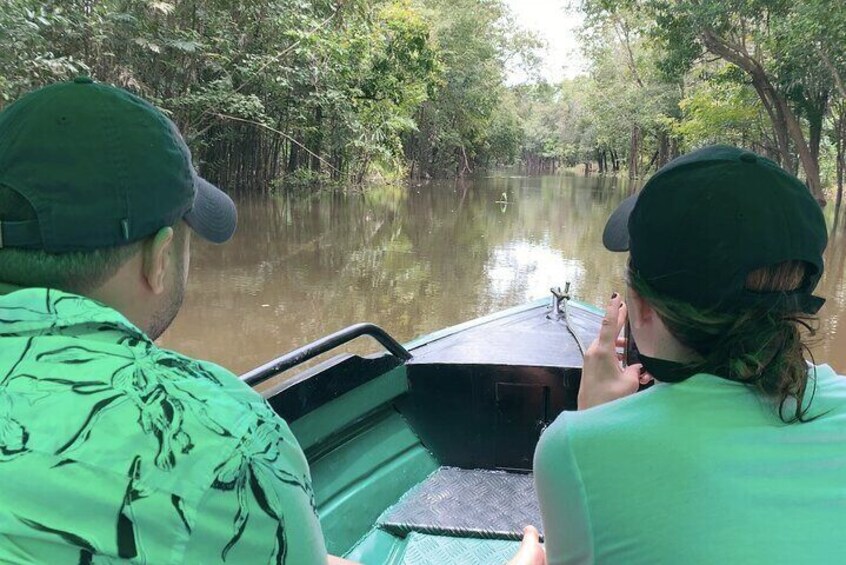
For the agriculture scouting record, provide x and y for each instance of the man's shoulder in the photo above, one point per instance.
(106, 420)
(102, 404)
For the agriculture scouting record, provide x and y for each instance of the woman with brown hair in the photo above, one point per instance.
(737, 454)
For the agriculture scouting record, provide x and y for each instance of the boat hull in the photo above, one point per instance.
(473, 398)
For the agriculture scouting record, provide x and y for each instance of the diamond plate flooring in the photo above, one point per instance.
(467, 503)
(424, 549)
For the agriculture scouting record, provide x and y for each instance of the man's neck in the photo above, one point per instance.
(6, 288)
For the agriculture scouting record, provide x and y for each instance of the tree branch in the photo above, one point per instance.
(838, 78)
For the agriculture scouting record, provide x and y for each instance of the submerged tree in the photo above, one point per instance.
(282, 89)
(468, 121)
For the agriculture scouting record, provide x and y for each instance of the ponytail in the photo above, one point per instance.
(761, 348)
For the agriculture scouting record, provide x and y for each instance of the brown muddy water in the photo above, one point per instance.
(414, 259)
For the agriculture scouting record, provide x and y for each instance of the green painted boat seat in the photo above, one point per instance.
(424, 549)
(463, 503)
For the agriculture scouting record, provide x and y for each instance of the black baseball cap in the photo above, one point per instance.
(101, 167)
(706, 220)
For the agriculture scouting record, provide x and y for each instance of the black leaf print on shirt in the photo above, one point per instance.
(127, 547)
(14, 437)
(177, 503)
(161, 387)
(281, 549)
(15, 365)
(152, 392)
(69, 537)
(84, 432)
(74, 355)
(254, 469)
(64, 462)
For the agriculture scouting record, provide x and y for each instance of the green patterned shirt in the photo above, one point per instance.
(114, 449)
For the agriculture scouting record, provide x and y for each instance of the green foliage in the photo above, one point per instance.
(672, 75)
(783, 49)
(467, 121)
(620, 114)
(268, 89)
(719, 112)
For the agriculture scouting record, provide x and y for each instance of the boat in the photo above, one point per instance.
(423, 454)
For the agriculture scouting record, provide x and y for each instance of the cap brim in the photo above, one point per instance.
(213, 216)
(615, 237)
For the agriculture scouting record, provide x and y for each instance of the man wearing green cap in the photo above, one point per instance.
(738, 453)
(111, 447)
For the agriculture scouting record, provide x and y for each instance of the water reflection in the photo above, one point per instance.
(412, 259)
(522, 270)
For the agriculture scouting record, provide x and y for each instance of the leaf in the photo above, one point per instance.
(146, 44)
(68, 537)
(184, 45)
(163, 7)
(71, 355)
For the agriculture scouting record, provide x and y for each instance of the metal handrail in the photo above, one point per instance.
(322, 345)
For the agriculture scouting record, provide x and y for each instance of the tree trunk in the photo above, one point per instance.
(816, 107)
(663, 149)
(841, 158)
(317, 148)
(785, 123)
(674, 149)
(634, 151)
(293, 158)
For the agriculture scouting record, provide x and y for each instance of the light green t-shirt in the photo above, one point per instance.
(702, 471)
(114, 449)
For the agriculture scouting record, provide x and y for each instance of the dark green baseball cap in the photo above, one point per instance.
(706, 220)
(101, 167)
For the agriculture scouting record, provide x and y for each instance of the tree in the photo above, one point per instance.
(476, 40)
(753, 36)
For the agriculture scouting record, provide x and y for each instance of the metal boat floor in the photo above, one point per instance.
(466, 503)
(527, 338)
(424, 549)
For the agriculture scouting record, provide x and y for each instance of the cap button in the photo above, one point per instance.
(748, 157)
(83, 80)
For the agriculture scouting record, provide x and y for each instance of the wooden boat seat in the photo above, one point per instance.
(463, 503)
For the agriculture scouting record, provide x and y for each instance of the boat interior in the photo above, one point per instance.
(424, 455)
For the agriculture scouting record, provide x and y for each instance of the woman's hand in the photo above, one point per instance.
(531, 552)
(603, 376)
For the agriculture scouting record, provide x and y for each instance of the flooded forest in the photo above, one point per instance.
(353, 133)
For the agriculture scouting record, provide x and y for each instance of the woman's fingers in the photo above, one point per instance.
(610, 328)
(620, 345)
(622, 313)
(531, 534)
(531, 552)
(645, 378)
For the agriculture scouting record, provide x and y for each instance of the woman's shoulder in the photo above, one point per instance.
(703, 405)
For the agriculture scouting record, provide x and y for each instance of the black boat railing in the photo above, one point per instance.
(322, 345)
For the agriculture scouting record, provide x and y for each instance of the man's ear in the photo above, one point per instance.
(158, 253)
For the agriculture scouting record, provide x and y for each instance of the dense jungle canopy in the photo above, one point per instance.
(299, 92)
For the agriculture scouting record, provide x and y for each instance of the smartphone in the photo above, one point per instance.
(632, 355)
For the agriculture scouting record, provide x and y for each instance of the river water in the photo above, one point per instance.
(414, 259)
